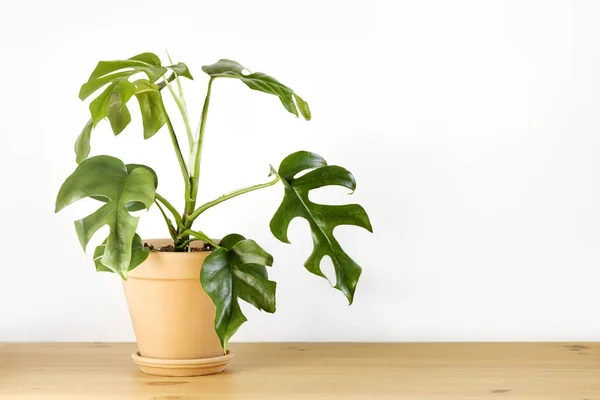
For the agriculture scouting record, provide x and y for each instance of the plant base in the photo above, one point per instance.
(170, 367)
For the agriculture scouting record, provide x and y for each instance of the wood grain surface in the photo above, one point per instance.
(323, 371)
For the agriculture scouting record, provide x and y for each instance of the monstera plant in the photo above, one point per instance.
(236, 266)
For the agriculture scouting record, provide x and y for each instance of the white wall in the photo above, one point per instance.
(472, 128)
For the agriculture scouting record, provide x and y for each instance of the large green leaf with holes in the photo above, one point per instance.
(261, 82)
(235, 271)
(114, 76)
(151, 108)
(111, 103)
(107, 177)
(322, 218)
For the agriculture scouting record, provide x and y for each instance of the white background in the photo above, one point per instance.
(472, 128)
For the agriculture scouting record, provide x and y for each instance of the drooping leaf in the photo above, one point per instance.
(237, 270)
(181, 70)
(139, 253)
(322, 218)
(116, 74)
(112, 101)
(118, 114)
(261, 82)
(151, 107)
(82, 144)
(108, 177)
(120, 89)
(112, 71)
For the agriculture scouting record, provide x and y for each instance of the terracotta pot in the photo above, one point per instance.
(172, 316)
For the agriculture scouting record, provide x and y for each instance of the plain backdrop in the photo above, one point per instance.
(472, 128)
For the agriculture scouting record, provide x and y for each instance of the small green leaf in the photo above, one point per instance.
(118, 114)
(151, 107)
(322, 218)
(139, 253)
(181, 70)
(261, 82)
(82, 144)
(237, 270)
(107, 177)
(303, 107)
(121, 88)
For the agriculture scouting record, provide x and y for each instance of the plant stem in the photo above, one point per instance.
(171, 208)
(176, 77)
(226, 197)
(172, 230)
(180, 101)
(196, 154)
(184, 170)
(199, 235)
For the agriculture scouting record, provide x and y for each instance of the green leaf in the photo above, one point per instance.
(131, 167)
(138, 205)
(110, 71)
(261, 82)
(322, 218)
(133, 205)
(139, 253)
(116, 75)
(181, 70)
(303, 107)
(151, 107)
(82, 144)
(120, 89)
(107, 177)
(111, 103)
(149, 58)
(118, 114)
(237, 270)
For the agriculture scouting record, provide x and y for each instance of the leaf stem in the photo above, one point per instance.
(181, 105)
(198, 235)
(226, 197)
(184, 170)
(176, 77)
(171, 208)
(196, 153)
(172, 230)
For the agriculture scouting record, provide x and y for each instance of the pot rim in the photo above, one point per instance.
(169, 265)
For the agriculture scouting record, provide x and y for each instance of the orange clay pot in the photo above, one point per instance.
(172, 316)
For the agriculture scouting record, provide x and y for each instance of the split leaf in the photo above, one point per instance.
(237, 270)
(108, 178)
(261, 82)
(322, 218)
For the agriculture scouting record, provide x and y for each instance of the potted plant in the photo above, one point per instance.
(183, 292)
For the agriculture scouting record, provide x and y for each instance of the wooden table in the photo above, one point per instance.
(291, 371)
